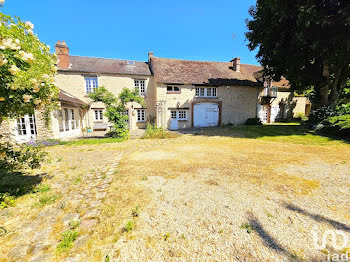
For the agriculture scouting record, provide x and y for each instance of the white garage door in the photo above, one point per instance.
(205, 114)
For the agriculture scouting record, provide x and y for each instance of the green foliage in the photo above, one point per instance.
(304, 42)
(253, 121)
(27, 70)
(67, 240)
(16, 156)
(129, 226)
(115, 108)
(47, 200)
(248, 227)
(6, 200)
(42, 189)
(343, 122)
(154, 132)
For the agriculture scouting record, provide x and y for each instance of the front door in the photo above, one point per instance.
(26, 129)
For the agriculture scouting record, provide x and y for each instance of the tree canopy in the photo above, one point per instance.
(306, 41)
(27, 70)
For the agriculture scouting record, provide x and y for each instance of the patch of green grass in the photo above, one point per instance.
(47, 199)
(59, 159)
(144, 178)
(67, 240)
(284, 132)
(115, 172)
(269, 215)
(94, 141)
(153, 132)
(42, 189)
(129, 226)
(6, 200)
(77, 179)
(248, 227)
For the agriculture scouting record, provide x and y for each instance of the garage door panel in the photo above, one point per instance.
(205, 114)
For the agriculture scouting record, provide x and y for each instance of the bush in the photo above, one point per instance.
(15, 156)
(332, 121)
(253, 121)
(154, 132)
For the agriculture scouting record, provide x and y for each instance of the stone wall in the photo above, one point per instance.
(74, 83)
(238, 103)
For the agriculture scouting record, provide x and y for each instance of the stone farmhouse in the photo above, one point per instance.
(177, 93)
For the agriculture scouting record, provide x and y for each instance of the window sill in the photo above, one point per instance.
(206, 97)
(182, 120)
(173, 92)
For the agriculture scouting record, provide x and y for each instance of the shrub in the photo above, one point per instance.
(253, 121)
(6, 200)
(154, 132)
(320, 114)
(14, 156)
(68, 237)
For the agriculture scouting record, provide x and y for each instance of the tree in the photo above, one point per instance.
(115, 108)
(27, 70)
(306, 41)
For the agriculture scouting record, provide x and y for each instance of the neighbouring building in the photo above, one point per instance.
(177, 94)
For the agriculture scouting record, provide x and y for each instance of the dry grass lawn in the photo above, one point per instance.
(210, 196)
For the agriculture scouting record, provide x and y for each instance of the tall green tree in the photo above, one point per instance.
(307, 41)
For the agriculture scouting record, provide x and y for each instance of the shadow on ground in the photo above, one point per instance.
(272, 243)
(17, 183)
(317, 218)
(258, 131)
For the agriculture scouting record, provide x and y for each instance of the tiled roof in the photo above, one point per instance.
(66, 97)
(201, 72)
(105, 65)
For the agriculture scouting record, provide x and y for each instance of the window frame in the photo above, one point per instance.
(140, 86)
(141, 118)
(91, 84)
(98, 115)
(177, 114)
(203, 92)
(173, 91)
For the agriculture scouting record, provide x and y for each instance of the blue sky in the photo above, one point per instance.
(193, 29)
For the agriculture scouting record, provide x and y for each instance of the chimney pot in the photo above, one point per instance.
(150, 54)
(236, 64)
(62, 51)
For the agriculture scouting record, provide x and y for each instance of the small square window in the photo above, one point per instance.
(173, 114)
(182, 115)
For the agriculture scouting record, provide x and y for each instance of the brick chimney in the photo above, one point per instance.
(150, 54)
(236, 64)
(62, 51)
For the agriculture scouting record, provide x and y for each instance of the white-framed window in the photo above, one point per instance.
(140, 86)
(173, 89)
(73, 119)
(98, 114)
(206, 91)
(68, 119)
(173, 114)
(141, 115)
(91, 84)
(178, 114)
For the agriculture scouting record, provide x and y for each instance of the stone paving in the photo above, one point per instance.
(36, 240)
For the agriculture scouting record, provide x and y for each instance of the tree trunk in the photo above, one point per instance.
(323, 96)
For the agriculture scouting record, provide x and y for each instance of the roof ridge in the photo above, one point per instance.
(108, 58)
(199, 61)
